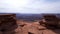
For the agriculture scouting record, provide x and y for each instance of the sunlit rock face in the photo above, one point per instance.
(7, 23)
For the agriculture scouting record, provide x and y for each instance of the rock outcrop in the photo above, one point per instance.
(49, 21)
(8, 23)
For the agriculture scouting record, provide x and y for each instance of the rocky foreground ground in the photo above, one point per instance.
(33, 28)
(27, 27)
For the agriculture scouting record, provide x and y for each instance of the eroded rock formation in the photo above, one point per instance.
(8, 23)
(50, 21)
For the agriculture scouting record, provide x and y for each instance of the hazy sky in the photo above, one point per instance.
(30, 6)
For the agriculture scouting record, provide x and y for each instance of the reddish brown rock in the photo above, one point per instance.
(50, 21)
(7, 22)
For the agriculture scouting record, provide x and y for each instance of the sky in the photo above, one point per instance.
(30, 6)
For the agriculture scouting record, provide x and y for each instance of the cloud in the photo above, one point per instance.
(52, 0)
(42, 6)
(30, 6)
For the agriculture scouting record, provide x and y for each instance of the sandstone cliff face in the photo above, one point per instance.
(8, 23)
(50, 21)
